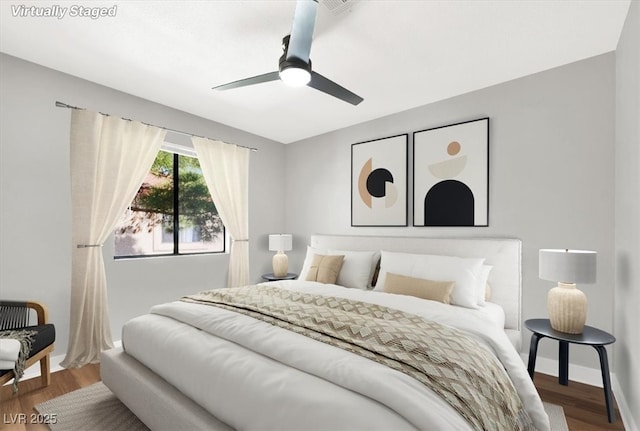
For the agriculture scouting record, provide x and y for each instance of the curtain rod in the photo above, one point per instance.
(64, 105)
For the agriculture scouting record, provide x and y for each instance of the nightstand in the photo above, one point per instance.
(271, 277)
(590, 336)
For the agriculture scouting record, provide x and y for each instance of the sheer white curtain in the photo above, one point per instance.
(225, 168)
(109, 160)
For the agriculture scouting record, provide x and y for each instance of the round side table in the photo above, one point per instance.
(590, 336)
(271, 277)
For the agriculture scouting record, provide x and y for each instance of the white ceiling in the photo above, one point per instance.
(396, 54)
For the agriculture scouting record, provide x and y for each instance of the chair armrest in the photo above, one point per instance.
(41, 311)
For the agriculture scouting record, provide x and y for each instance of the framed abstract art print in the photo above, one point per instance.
(451, 175)
(379, 182)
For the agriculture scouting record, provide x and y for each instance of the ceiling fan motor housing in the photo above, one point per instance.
(293, 71)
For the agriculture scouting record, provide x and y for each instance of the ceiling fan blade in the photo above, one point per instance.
(326, 85)
(271, 76)
(304, 20)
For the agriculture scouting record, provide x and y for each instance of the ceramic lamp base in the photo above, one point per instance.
(567, 307)
(280, 264)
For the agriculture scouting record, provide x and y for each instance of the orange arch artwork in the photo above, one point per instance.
(379, 182)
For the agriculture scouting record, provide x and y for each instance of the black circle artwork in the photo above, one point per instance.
(377, 182)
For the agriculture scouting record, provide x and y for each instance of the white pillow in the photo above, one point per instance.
(463, 271)
(481, 283)
(357, 267)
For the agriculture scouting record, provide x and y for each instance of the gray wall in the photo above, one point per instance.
(627, 233)
(551, 177)
(35, 202)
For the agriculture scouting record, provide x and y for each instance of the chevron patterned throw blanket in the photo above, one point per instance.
(448, 361)
(25, 337)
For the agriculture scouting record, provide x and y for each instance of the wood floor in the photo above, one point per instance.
(584, 405)
(32, 393)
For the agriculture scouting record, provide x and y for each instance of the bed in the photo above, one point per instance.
(213, 361)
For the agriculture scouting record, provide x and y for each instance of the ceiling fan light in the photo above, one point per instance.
(295, 76)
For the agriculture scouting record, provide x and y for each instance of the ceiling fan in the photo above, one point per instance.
(295, 65)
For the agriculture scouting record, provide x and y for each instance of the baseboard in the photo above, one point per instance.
(577, 373)
(623, 406)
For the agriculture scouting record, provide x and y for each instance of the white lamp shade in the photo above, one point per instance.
(280, 242)
(567, 266)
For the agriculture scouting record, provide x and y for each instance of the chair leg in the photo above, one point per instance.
(45, 370)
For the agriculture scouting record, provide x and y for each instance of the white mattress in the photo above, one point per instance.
(276, 381)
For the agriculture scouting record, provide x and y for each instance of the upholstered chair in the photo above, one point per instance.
(16, 318)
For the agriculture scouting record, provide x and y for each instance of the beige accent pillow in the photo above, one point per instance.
(487, 292)
(325, 268)
(419, 287)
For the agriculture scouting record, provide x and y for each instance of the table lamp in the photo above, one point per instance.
(280, 243)
(566, 304)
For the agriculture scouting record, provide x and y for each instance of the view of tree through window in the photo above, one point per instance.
(172, 213)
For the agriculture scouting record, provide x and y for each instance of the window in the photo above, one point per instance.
(172, 213)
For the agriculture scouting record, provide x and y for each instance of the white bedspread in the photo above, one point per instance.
(253, 375)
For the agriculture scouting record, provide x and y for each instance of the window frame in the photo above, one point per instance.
(176, 215)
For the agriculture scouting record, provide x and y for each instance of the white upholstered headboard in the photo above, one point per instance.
(504, 254)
